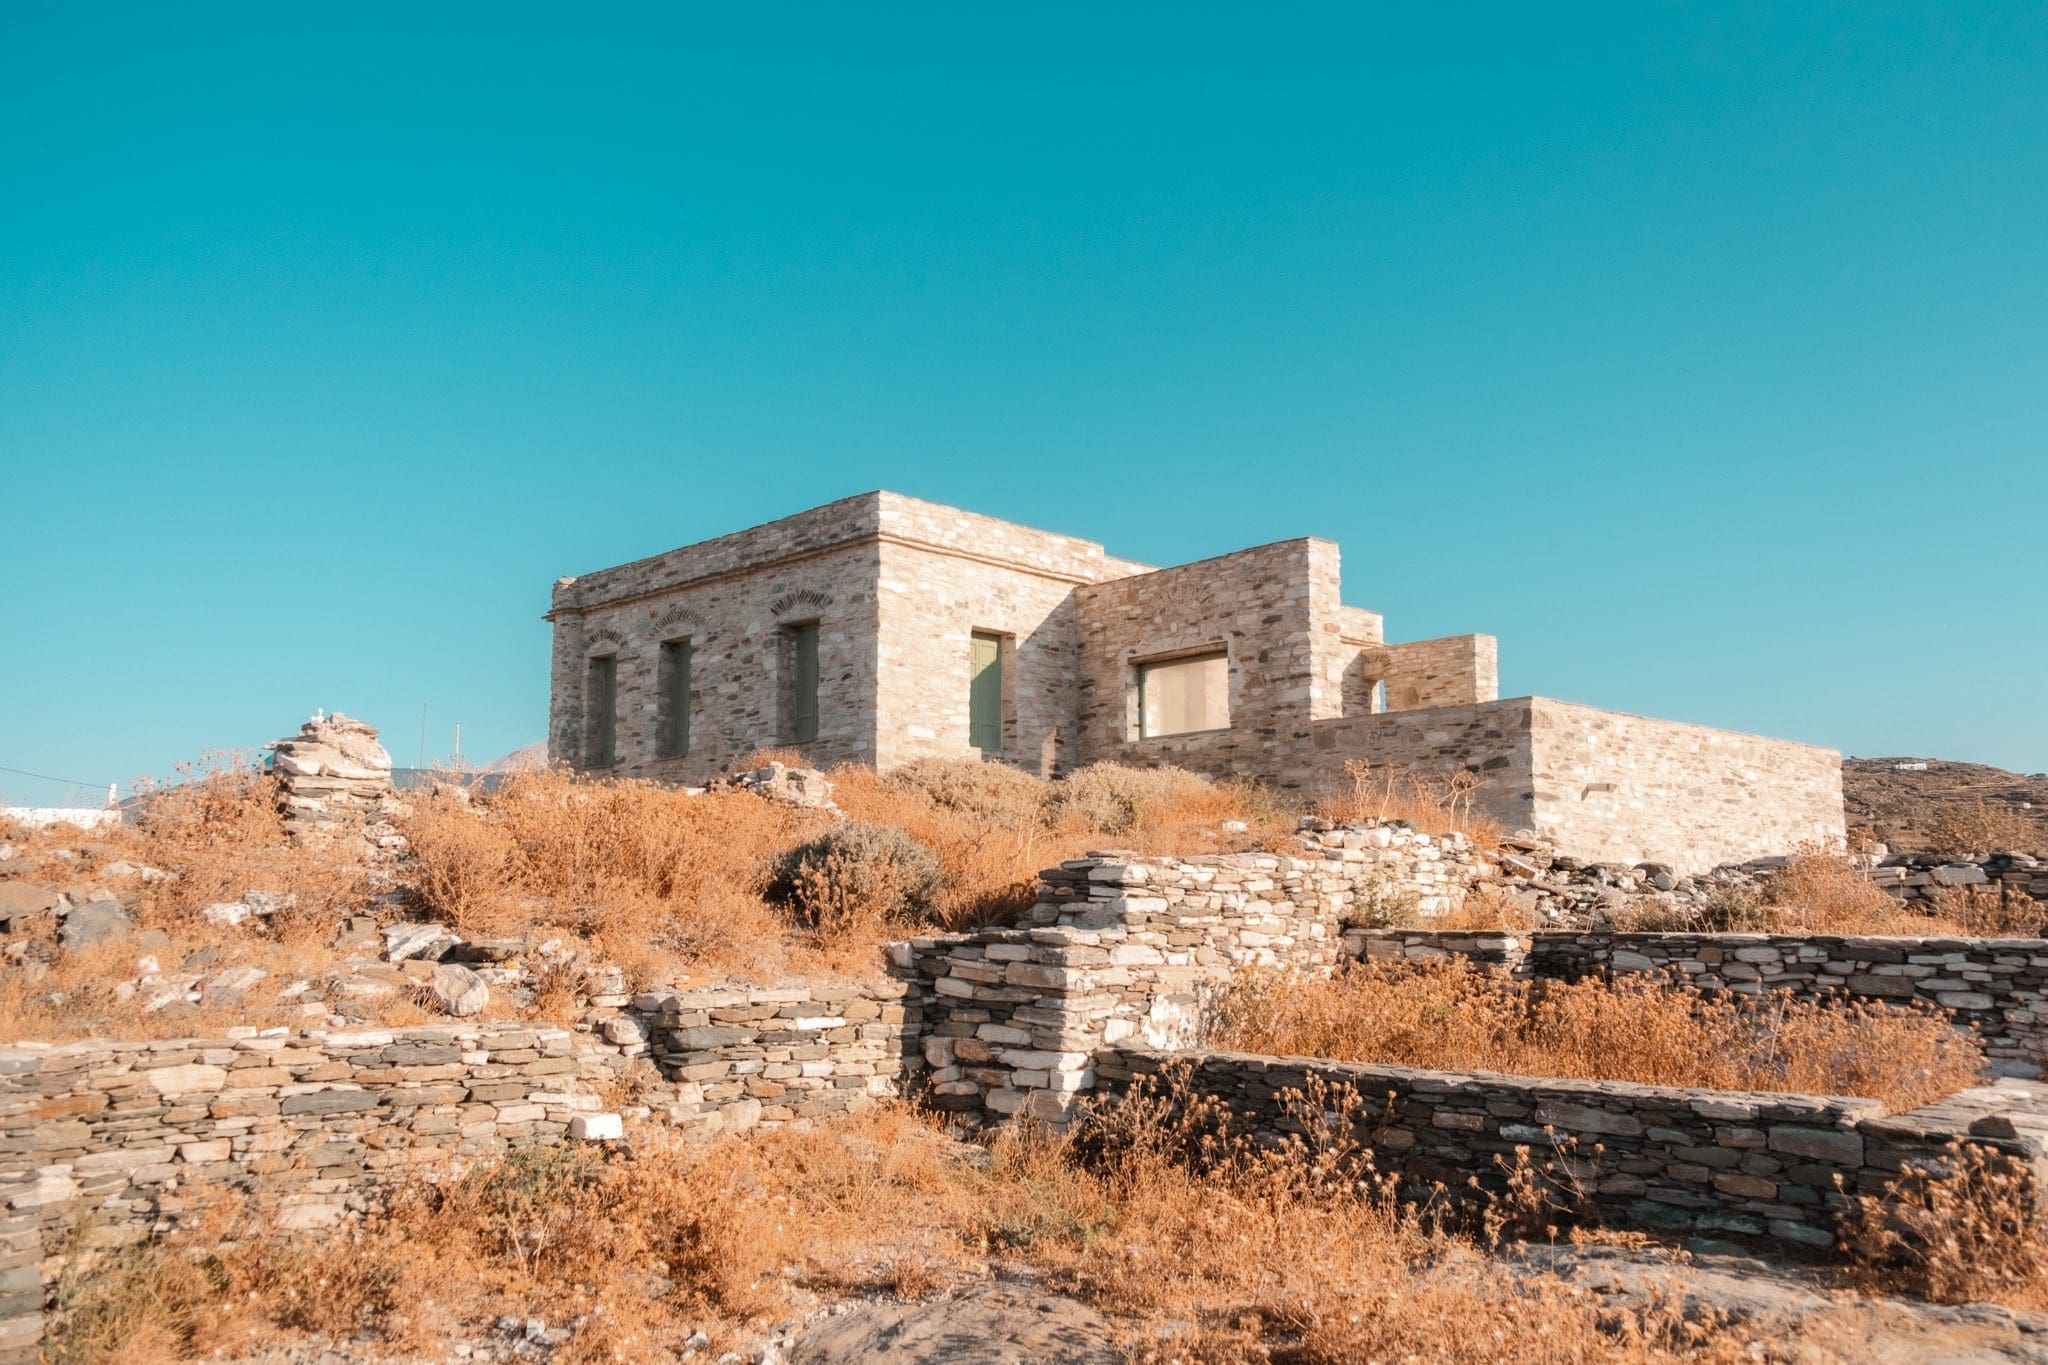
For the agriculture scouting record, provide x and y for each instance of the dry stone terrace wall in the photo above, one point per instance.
(773, 1056)
(124, 1136)
(1121, 947)
(1758, 1164)
(1997, 986)
(114, 1138)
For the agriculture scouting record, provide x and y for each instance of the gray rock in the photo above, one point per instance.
(19, 900)
(95, 922)
(428, 942)
(458, 990)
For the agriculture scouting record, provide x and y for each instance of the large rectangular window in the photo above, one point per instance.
(601, 710)
(803, 673)
(985, 694)
(1179, 696)
(672, 720)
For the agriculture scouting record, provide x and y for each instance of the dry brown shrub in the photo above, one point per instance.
(1821, 892)
(1639, 1028)
(1979, 828)
(1433, 802)
(1200, 1247)
(1964, 1229)
(651, 877)
(994, 827)
(856, 880)
(1999, 911)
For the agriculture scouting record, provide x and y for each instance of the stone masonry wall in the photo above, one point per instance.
(1261, 606)
(125, 1136)
(1997, 986)
(1456, 670)
(1122, 947)
(1493, 740)
(931, 606)
(737, 628)
(1627, 789)
(1607, 787)
(771, 1055)
(888, 692)
(1758, 1164)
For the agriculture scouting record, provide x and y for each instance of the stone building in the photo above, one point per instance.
(880, 629)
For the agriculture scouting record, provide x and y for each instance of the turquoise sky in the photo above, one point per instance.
(1699, 352)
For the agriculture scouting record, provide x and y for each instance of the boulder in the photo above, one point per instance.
(100, 921)
(426, 941)
(20, 900)
(458, 990)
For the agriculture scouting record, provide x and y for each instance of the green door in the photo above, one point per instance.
(985, 695)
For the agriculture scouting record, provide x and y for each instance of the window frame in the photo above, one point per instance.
(1218, 653)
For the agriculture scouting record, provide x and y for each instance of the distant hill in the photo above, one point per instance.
(534, 755)
(1904, 801)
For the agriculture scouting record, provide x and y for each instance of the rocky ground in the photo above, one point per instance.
(1902, 800)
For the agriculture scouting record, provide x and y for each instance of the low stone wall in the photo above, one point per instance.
(124, 1138)
(1999, 987)
(1777, 1166)
(120, 1138)
(1920, 878)
(768, 1056)
(1121, 946)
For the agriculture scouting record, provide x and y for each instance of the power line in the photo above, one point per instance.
(69, 782)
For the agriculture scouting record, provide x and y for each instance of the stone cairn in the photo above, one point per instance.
(333, 777)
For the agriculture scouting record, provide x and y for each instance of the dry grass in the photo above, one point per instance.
(994, 828)
(1446, 1016)
(649, 877)
(1299, 1254)
(1980, 828)
(1434, 802)
(1966, 1229)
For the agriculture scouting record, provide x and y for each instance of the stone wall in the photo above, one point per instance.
(1263, 607)
(1627, 789)
(123, 1137)
(1997, 986)
(1758, 1164)
(1920, 878)
(1122, 947)
(1492, 740)
(1456, 670)
(770, 1055)
(1607, 787)
(737, 625)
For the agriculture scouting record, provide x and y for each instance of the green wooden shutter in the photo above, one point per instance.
(603, 700)
(674, 733)
(985, 694)
(804, 714)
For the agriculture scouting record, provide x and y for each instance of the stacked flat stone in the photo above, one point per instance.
(768, 1056)
(1121, 946)
(1759, 1164)
(129, 1137)
(1923, 877)
(334, 775)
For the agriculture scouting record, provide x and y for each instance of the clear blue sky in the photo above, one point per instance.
(1699, 352)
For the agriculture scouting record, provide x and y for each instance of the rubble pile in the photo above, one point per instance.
(333, 776)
